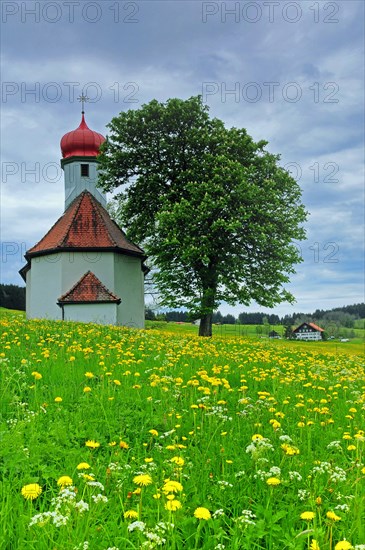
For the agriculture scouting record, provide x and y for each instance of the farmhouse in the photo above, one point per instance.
(85, 268)
(308, 331)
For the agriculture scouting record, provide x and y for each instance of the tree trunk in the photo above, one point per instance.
(205, 327)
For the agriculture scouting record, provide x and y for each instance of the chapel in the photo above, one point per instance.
(84, 268)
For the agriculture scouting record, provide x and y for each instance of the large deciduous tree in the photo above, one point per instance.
(213, 209)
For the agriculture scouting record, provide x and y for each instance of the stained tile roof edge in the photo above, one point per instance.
(78, 198)
(97, 207)
(114, 297)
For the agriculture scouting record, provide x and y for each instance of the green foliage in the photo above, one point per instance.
(12, 297)
(212, 208)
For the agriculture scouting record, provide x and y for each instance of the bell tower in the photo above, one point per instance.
(80, 149)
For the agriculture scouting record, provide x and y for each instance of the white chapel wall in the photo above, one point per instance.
(129, 286)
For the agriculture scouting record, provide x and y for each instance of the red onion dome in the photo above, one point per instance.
(81, 142)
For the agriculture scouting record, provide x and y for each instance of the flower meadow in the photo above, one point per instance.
(116, 439)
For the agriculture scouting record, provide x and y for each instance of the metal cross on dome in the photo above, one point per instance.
(83, 98)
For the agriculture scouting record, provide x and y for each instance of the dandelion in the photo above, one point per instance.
(343, 545)
(178, 460)
(202, 513)
(314, 545)
(332, 516)
(273, 481)
(87, 389)
(58, 399)
(173, 505)
(142, 480)
(36, 375)
(307, 516)
(172, 487)
(31, 491)
(153, 432)
(89, 375)
(123, 445)
(130, 514)
(83, 466)
(92, 444)
(117, 382)
(64, 481)
(87, 477)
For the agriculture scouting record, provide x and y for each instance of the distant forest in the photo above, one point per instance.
(344, 316)
(13, 297)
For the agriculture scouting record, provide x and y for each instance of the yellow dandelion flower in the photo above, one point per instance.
(117, 382)
(314, 545)
(112, 443)
(202, 513)
(92, 444)
(172, 487)
(307, 516)
(343, 545)
(332, 516)
(89, 375)
(64, 481)
(148, 460)
(257, 436)
(173, 505)
(351, 448)
(142, 479)
(318, 501)
(273, 481)
(178, 460)
(87, 389)
(363, 470)
(130, 514)
(153, 432)
(36, 375)
(138, 491)
(83, 466)
(88, 477)
(58, 399)
(123, 445)
(31, 491)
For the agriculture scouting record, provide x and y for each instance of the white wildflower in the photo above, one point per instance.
(96, 484)
(99, 498)
(140, 525)
(81, 506)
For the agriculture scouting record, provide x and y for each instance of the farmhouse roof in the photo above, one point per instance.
(85, 225)
(89, 289)
(312, 325)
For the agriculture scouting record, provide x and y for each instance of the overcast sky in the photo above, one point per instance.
(289, 72)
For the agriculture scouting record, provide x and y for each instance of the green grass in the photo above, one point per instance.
(353, 347)
(219, 416)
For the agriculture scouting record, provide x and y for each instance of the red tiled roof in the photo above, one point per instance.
(88, 289)
(315, 327)
(85, 225)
